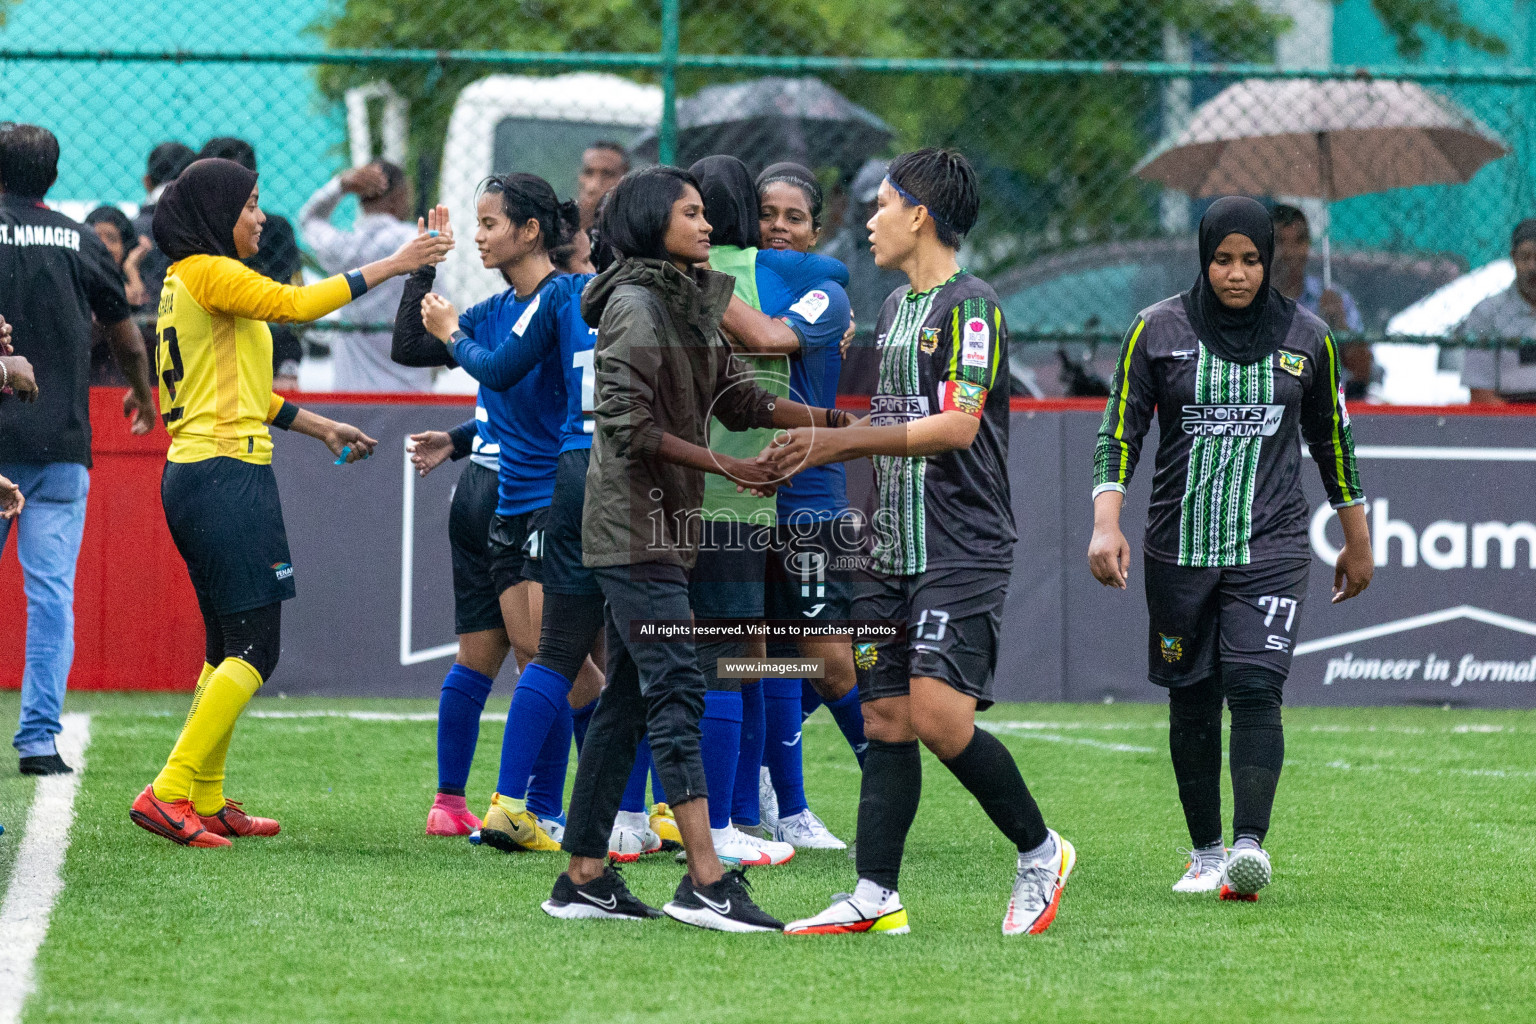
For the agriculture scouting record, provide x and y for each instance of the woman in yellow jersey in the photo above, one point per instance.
(218, 490)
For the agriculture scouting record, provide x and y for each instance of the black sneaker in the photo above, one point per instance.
(725, 906)
(605, 897)
(44, 764)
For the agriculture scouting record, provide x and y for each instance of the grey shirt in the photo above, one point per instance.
(361, 358)
(1512, 372)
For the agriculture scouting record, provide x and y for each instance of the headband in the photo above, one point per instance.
(914, 201)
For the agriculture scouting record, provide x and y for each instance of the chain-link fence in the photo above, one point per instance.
(1099, 130)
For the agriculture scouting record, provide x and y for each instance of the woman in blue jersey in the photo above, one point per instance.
(816, 535)
(493, 610)
(525, 372)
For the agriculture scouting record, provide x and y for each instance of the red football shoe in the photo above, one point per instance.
(174, 819)
(233, 821)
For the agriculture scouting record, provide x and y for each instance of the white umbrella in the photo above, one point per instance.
(1438, 313)
(1322, 139)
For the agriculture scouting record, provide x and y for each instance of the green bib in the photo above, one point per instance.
(721, 499)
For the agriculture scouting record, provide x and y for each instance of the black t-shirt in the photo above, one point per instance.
(54, 273)
(1226, 489)
(945, 349)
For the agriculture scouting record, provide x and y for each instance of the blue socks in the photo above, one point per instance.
(540, 697)
(781, 747)
(634, 790)
(744, 810)
(546, 791)
(720, 745)
(810, 700)
(458, 726)
(849, 716)
(580, 719)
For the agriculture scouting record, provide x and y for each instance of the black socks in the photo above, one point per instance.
(1257, 748)
(888, 796)
(1194, 740)
(1257, 752)
(987, 769)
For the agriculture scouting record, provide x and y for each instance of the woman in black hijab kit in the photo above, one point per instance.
(1239, 376)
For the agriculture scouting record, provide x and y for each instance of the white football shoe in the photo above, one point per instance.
(848, 914)
(1246, 872)
(554, 826)
(805, 831)
(736, 847)
(1202, 873)
(767, 801)
(1037, 889)
(632, 837)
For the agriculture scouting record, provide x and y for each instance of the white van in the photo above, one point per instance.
(521, 123)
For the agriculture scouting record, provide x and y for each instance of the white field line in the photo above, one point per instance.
(1034, 731)
(35, 882)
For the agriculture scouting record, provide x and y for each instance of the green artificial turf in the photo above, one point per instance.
(1403, 891)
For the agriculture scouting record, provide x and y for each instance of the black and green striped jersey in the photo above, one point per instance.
(945, 349)
(1227, 485)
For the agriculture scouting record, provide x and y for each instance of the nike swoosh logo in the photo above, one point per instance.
(609, 904)
(815, 611)
(723, 909)
(178, 825)
(790, 743)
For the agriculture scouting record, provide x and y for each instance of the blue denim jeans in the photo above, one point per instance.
(48, 533)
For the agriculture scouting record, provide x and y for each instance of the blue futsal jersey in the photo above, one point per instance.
(577, 342)
(522, 394)
(808, 294)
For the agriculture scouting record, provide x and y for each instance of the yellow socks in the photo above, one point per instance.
(222, 694)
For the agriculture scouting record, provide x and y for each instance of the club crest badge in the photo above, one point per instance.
(1172, 647)
(928, 340)
(865, 656)
(1293, 363)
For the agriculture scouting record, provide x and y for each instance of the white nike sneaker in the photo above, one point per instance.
(1246, 872)
(767, 801)
(847, 914)
(805, 831)
(631, 837)
(1202, 874)
(736, 847)
(1037, 890)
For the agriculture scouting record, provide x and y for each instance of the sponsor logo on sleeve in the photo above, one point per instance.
(962, 396)
(1293, 363)
(811, 305)
(283, 570)
(1343, 409)
(928, 340)
(973, 342)
(1171, 646)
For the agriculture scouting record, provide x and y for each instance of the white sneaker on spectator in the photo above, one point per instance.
(805, 831)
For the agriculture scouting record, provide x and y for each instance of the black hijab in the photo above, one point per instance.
(197, 212)
(730, 201)
(1252, 333)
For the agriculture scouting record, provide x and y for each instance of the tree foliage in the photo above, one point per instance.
(1056, 152)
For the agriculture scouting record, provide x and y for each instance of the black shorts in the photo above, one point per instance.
(475, 608)
(1200, 619)
(953, 618)
(563, 571)
(727, 580)
(517, 548)
(809, 573)
(227, 523)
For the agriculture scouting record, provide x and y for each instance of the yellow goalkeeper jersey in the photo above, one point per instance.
(215, 354)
